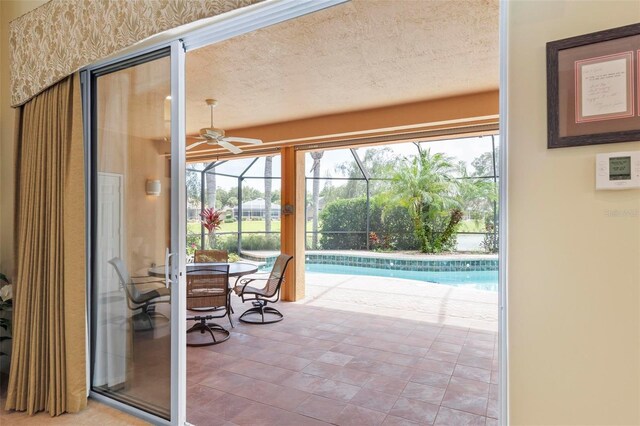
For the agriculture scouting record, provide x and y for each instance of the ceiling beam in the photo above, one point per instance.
(458, 111)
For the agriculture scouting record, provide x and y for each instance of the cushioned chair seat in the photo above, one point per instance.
(152, 294)
(248, 289)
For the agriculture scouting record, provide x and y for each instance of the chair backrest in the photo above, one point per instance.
(207, 256)
(125, 279)
(208, 287)
(276, 277)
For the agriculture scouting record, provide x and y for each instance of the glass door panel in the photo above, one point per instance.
(131, 303)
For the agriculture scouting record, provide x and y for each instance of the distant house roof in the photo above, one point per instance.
(257, 205)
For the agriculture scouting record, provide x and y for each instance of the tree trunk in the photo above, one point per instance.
(268, 173)
(316, 156)
(421, 234)
(212, 240)
(211, 189)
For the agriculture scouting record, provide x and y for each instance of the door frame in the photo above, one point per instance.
(89, 75)
(222, 28)
(503, 225)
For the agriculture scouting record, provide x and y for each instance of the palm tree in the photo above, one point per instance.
(316, 156)
(426, 187)
(268, 173)
(212, 187)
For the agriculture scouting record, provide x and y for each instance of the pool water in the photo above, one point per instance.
(480, 280)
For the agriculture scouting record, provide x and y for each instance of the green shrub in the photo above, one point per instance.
(228, 242)
(348, 215)
(491, 240)
(260, 242)
(193, 243)
(391, 224)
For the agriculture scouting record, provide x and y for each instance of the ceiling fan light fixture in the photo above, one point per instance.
(215, 136)
(212, 132)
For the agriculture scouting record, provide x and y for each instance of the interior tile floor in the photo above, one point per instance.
(356, 351)
(95, 414)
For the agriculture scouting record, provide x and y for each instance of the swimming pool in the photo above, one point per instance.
(480, 280)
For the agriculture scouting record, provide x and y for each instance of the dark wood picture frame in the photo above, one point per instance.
(564, 59)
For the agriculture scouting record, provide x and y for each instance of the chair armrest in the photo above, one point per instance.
(256, 276)
(146, 277)
(246, 281)
(145, 286)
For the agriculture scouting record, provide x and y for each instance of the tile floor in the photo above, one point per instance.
(350, 365)
(95, 414)
(357, 351)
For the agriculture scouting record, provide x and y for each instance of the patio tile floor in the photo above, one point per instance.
(344, 356)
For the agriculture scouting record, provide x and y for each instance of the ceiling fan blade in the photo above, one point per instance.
(193, 145)
(227, 145)
(243, 140)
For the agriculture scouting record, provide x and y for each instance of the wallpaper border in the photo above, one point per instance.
(62, 36)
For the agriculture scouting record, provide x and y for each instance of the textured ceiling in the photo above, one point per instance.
(359, 55)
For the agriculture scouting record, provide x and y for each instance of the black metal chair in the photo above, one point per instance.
(207, 288)
(144, 301)
(260, 297)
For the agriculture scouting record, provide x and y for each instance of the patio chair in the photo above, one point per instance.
(210, 256)
(261, 296)
(144, 301)
(208, 288)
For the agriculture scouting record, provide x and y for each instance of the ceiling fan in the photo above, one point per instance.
(214, 136)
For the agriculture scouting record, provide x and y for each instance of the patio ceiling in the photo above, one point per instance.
(360, 55)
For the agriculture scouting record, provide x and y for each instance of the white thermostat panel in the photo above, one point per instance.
(618, 170)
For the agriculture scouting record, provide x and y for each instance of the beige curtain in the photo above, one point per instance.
(48, 361)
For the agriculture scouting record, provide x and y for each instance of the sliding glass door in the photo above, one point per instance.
(137, 188)
(135, 129)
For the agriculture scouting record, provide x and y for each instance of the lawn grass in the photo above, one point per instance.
(471, 225)
(193, 227)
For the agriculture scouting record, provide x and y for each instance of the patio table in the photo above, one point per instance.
(236, 269)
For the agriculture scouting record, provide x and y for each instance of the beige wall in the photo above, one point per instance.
(574, 269)
(9, 10)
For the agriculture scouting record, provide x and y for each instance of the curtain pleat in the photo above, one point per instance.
(48, 366)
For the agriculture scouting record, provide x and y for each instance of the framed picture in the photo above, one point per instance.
(593, 88)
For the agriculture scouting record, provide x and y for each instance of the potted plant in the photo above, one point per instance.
(211, 220)
(6, 297)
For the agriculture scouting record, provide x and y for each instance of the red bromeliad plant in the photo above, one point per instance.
(211, 220)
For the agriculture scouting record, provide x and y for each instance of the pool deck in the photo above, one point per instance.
(404, 299)
(401, 298)
(356, 351)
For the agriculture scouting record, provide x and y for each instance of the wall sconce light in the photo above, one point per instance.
(153, 187)
(167, 108)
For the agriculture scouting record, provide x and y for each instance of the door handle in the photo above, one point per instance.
(167, 267)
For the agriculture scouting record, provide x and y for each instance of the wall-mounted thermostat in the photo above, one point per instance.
(618, 170)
